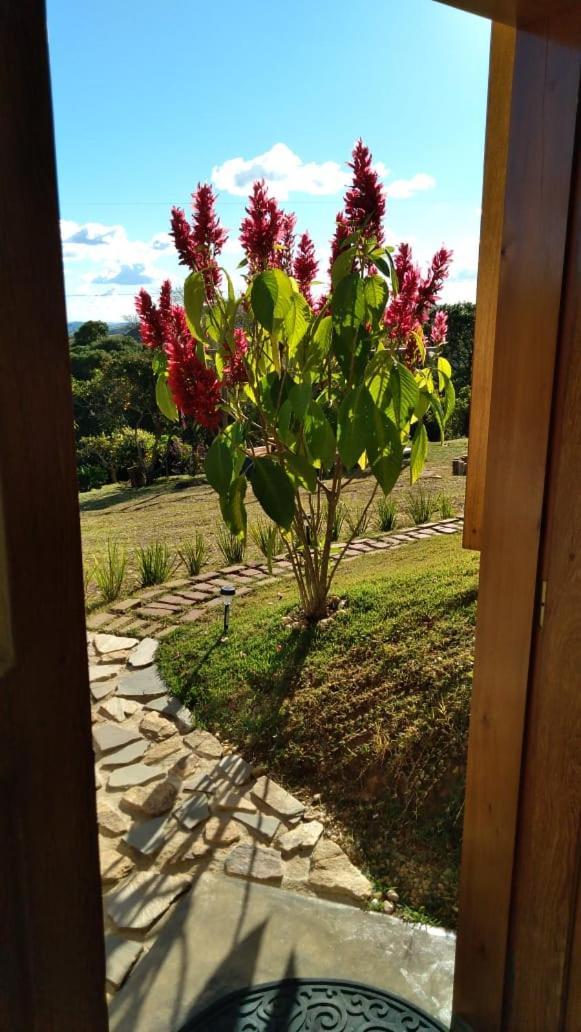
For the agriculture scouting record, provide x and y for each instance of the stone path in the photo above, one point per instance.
(172, 803)
(156, 611)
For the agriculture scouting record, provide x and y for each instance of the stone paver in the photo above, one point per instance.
(136, 774)
(237, 770)
(141, 684)
(305, 836)
(110, 819)
(111, 736)
(204, 744)
(272, 796)
(262, 826)
(128, 754)
(151, 800)
(120, 956)
(193, 812)
(144, 654)
(149, 836)
(141, 901)
(112, 643)
(258, 863)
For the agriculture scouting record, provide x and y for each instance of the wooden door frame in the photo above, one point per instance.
(52, 968)
(531, 123)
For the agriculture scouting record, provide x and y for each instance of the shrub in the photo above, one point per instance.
(266, 537)
(109, 572)
(231, 546)
(155, 563)
(193, 554)
(420, 505)
(358, 520)
(386, 514)
(308, 389)
(445, 506)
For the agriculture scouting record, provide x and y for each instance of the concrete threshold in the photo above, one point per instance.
(227, 934)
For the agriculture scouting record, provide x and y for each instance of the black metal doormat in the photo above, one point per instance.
(312, 1005)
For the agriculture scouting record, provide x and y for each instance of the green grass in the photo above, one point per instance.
(175, 508)
(371, 710)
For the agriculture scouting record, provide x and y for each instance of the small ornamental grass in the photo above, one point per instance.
(358, 520)
(193, 553)
(445, 506)
(420, 505)
(231, 546)
(268, 540)
(386, 514)
(109, 572)
(155, 563)
(339, 518)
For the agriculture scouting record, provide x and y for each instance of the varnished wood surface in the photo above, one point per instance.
(516, 12)
(51, 959)
(493, 189)
(542, 126)
(546, 874)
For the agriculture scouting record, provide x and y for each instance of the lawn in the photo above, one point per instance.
(370, 710)
(173, 509)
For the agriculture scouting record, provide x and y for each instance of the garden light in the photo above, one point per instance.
(227, 592)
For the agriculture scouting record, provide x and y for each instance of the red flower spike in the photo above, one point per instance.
(305, 267)
(261, 229)
(194, 387)
(151, 320)
(183, 238)
(235, 370)
(439, 329)
(365, 200)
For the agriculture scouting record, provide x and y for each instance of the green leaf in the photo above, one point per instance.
(285, 414)
(449, 400)
(274, 491)
(386, 469)
(296, 322)
(299, 397)
(219, 465)
(158, 362)
(233, 508)
(342, 265)
(405, 393)
(444, 366)
(376, 294)
(165, 402)
(355, 414)
(419, 451)
(319, 436)
(194, 298)
(301, 470)
(271, 297)
(348, 301)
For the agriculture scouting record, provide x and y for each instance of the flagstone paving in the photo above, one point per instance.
(173, 803)
(154, 612)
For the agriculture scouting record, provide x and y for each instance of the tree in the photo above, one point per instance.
(459, 345)
(89, 332)
(310, 392)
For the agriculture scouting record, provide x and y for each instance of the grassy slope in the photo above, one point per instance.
(172, 509)
(371, 710)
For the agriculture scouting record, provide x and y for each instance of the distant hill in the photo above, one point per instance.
(113, 327)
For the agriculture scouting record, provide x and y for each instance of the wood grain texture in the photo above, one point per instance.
(51, 962)
(542, 130)
(515, 12)
(546, 872)
(502, 45)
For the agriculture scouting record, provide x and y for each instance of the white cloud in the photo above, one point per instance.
(403, 189)
(284, 172)
(127, 275)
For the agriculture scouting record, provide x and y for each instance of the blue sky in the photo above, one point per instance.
(152, 97)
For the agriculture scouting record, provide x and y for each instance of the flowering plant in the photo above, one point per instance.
(300, 391)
